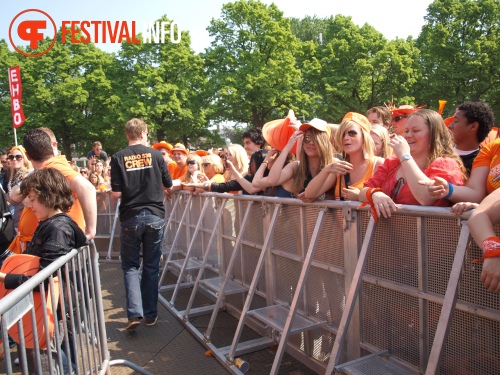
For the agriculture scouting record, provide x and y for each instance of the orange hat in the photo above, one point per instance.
(277, 133)
(317, 124)
(448, 120)
(179, 147)
(201, 152)
(163, 144)
(359, 119)
(403, 110)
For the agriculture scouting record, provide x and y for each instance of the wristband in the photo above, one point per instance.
(369, 194)
(450, 193)
(491, 249)
(265, 162)
(207, 186)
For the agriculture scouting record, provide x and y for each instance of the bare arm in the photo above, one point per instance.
(277, 175)
(86, 195)
(326, 178)
(474, 191)
(481, 224)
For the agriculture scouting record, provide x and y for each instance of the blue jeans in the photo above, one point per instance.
(141, 291)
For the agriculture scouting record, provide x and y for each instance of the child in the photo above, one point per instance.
(50, 196)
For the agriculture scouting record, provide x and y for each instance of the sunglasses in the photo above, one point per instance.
(308, 139)
(351, 133)
(399, 118)
(206, 164)
(17, 157)
(191, 162)
(84, 172)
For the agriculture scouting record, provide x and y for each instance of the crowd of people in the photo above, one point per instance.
(406, 155)
(388, 157)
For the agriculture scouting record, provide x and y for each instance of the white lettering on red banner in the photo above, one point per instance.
(16, 96)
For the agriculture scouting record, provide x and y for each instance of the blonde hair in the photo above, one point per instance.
(325, 154)
(134, 128)
(215, 161)
(367, 147)
(333, 130)
(240, 156)
(26, 163)
(383, 134)
(196, 158)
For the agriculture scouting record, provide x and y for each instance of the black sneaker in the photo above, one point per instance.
(151, 322)
(132, 324)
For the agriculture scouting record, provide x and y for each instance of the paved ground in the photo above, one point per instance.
(168, 348)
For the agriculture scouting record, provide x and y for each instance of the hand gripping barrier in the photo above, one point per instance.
(72, 337)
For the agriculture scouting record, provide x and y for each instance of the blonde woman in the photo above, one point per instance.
(194, 171)
(238, 156)
(355, 145)
(380, 136)
(212, 168)
(19, 166)
(316, 153)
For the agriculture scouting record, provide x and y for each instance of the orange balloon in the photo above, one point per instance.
(277, 133)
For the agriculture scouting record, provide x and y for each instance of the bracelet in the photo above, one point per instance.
(450, 186)
(265, 162)
(207, 186)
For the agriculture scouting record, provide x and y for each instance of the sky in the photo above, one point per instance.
(393, 18)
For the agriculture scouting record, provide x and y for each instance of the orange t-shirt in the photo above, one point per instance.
(171, 166)
(61, 164)
(489, 157)
(178, 173)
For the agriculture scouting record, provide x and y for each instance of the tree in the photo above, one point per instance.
(309, 28)
(251, 64)
(67, 90)
(356, 69)
(164, 84)
(460, 45)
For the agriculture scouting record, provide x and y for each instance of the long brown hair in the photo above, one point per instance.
(325, 153)
(440, 141)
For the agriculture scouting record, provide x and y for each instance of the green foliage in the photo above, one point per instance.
(251, 64)
(308, 28)
(460, 45)
(163, 84)
(259, 65)
(357, 68)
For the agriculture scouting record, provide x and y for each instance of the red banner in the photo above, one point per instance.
(16, 96)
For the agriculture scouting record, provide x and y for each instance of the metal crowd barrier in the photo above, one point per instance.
(330, 287)
(72, 288)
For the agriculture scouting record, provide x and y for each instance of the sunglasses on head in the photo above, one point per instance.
(17, 157)
(351, 133)
(399, 118)
(206, 164)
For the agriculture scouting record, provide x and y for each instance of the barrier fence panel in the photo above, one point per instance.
(410, 273)
(57, 317)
